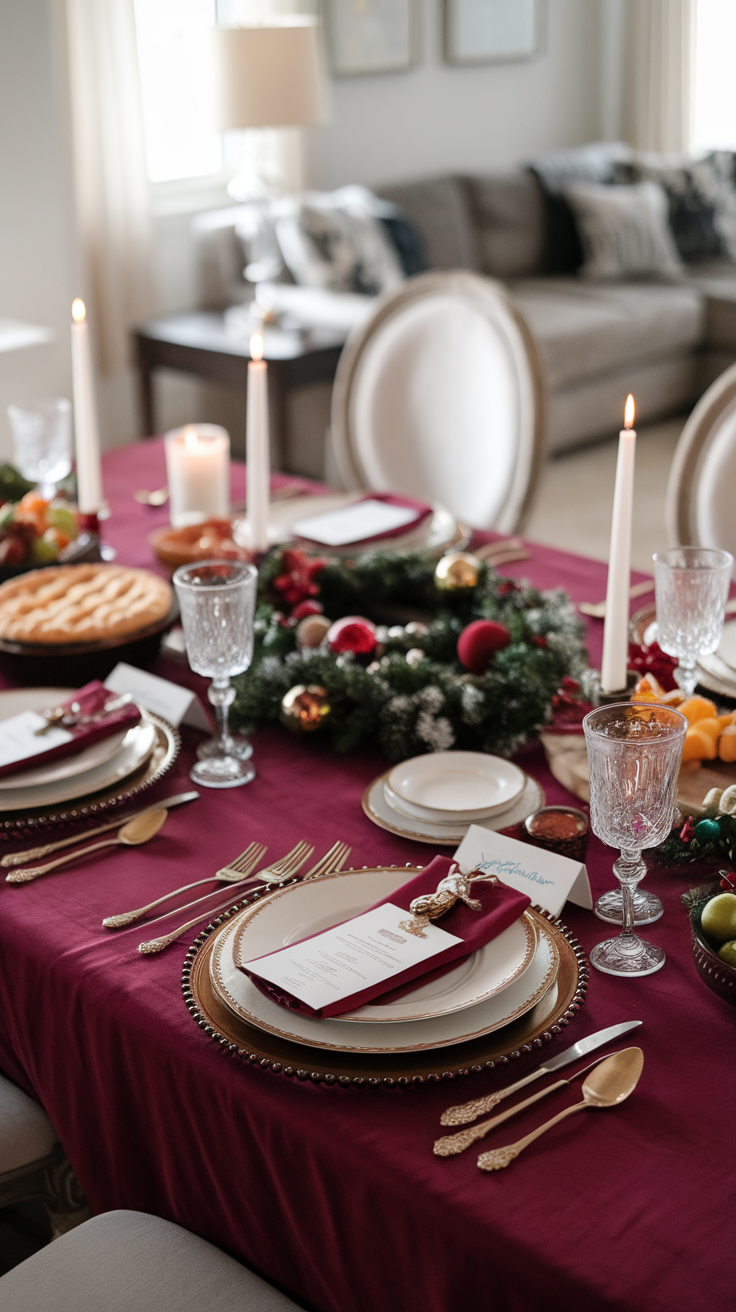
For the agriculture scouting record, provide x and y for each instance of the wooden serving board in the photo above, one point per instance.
(568, 761)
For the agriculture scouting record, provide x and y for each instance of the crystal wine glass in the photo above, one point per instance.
(42, 442)
(691, 587)
(217, 600)
(634, 755)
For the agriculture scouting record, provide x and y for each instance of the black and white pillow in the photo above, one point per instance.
(697, 190)
(558, 169)
(624, 231)
(336, 242)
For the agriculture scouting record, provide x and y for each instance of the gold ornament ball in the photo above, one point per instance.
(456, 571)
(305, 708)
(311, 631)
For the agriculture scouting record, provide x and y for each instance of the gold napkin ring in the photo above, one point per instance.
(455, 887)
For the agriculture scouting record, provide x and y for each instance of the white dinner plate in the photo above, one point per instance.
(456, 786)
(305, 909)
(103, 750)
(727, 646)
(446, 833)
(242, 997)
(134, 749)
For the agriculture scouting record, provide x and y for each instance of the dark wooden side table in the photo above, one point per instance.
(202, 343)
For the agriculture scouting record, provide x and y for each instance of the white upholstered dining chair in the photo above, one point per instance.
(701, 493)
(439, 396)
(131, 1262)
(33, 1164)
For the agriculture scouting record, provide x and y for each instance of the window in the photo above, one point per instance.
(714, 109)
(172, 37)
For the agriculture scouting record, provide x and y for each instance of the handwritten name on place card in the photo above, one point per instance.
(548, 879)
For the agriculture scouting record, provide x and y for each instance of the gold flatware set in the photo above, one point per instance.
(611, 1080)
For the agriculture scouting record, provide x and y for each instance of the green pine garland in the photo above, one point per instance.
(433, 705)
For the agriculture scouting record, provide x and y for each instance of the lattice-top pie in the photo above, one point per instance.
(81, 603)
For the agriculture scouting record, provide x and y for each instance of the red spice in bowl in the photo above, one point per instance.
(561, 829)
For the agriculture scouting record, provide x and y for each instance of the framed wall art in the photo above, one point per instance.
(370, 36)
(492, 31)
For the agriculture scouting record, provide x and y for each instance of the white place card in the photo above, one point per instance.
(351, 957)
(19, 740)
(547, 878)
(355, 523)
(172, 703)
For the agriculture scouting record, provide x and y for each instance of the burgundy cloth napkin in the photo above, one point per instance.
(91, 700)
(500, 907)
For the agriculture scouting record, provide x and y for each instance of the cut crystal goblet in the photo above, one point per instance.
(634, 755)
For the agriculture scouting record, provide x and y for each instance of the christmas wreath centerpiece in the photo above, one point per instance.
(337, 650)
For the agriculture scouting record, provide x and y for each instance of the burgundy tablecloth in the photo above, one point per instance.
(334, 1194)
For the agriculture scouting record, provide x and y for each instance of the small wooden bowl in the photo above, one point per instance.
(183, 546)
(716, 974)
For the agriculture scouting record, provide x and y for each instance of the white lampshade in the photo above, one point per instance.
(268, 77)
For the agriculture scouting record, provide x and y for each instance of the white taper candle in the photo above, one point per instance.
(86, 436)
(616, 630)
(257, 447)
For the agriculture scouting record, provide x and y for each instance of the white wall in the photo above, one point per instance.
(438, 116)
(38, 248)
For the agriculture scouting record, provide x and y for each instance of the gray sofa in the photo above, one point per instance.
(663, 341)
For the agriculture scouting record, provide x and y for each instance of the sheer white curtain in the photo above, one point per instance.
(111, 193)
(660, 63)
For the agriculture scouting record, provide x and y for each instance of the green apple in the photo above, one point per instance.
(719, 918)
(60, 516)
(727, 952)
(43, 552)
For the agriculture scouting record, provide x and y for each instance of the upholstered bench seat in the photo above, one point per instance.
(131, 1262)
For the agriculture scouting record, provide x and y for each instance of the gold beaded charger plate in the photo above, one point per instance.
(541, 1025)
(34, 819)
(378, 809)
(304, 909)
(95, 770)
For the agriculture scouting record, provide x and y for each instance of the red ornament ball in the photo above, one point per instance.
(479, 642)
(353, 633)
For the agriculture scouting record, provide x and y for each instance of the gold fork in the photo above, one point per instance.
(277, 873)
(236, 871)
(332, 862)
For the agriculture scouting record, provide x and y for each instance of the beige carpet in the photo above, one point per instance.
(573, 505)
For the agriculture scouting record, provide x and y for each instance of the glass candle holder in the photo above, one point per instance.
(217, 600)
(198, 473)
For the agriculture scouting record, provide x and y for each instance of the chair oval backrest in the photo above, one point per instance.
(701, 493)
(439, 397)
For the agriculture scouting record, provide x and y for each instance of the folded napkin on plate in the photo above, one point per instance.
(500, 907)
(337, 528)
(22, 748)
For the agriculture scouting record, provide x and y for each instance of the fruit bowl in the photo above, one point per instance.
(716, 974)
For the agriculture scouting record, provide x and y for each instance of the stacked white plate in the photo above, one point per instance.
(96, 768)
(438, 796)
(506, 979)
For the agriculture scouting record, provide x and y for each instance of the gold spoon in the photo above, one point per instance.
(609, 1084)
(132, 834)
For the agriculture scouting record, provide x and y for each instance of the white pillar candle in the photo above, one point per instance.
(86, 436)
(616, 630)
(257, 448)
(198, 473)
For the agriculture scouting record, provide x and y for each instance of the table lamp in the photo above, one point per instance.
(267, 77)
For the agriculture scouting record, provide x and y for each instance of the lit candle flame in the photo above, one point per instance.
(629, 412)
(256, 347)
(191, 439)
(79, 314)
